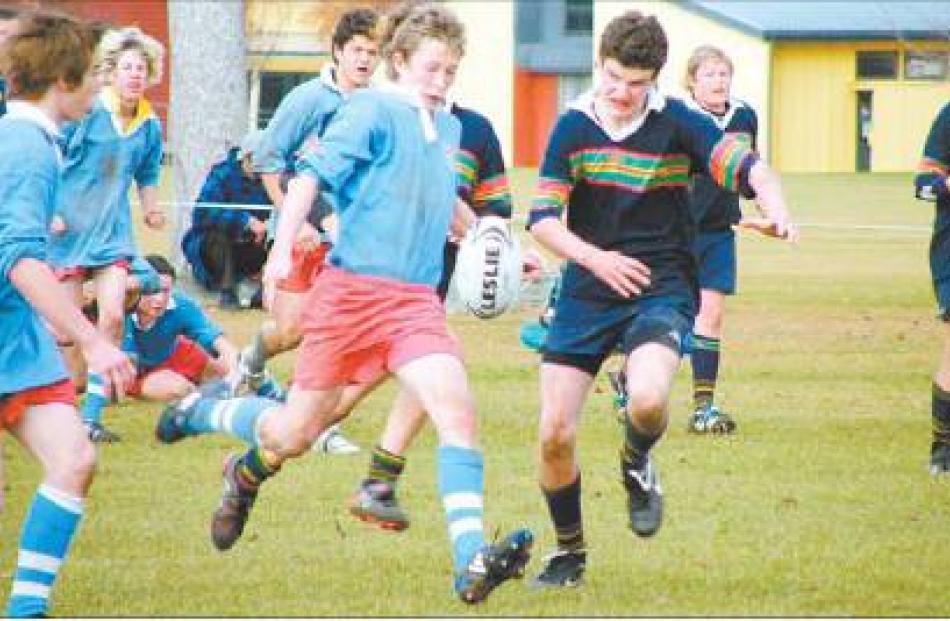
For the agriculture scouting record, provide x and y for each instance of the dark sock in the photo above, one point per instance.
(564, 505)
(636, 445)
(255, 468)
(705, 363)
(940, 414)
(385, 466)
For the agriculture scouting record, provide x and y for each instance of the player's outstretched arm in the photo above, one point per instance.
(770, 200)
(625, 275)
(35, 282)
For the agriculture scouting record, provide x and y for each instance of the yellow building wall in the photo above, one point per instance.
(485, 80)
(686, 30)
(294, 35)
(814, 108)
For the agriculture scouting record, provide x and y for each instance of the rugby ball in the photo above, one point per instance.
(488, 268)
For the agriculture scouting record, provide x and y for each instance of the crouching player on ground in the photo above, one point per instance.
(175, 345)
(49, 65)
(373, 310)
(619, 161)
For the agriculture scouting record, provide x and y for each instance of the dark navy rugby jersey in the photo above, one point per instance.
(631, 195)
(482, 181)
(3, 95)
(931, 184)
(715, 208)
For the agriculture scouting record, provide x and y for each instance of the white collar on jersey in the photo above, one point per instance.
(33, 113)
(721, 121)
(587, 103)
(412, 98)
(328, 78)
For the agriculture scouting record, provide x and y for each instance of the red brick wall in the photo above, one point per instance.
(149, 15)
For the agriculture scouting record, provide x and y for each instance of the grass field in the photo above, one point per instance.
(820, 505)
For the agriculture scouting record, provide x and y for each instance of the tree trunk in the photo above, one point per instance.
(209, 95)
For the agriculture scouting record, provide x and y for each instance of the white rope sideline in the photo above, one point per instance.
(843, 226)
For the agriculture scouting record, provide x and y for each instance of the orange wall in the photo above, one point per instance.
(149, 15)
(535, 114)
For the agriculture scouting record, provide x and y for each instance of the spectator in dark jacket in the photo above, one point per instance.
(225, 245)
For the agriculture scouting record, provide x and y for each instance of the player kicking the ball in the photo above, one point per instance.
(373, 310)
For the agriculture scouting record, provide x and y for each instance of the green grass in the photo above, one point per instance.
(821, 505)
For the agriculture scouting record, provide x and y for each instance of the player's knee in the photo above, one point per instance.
(646, 403)
(74, 467)
(557, 439)
(286, 437)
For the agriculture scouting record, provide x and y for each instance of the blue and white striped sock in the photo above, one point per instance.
(238, 417)
(97, 398)
(44, 543)
(461, 484)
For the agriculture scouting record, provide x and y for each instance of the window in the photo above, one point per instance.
(877, 65)
(274, 85)
(578, 17)
(926, 65)
(528, 19)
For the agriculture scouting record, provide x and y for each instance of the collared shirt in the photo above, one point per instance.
(393, 190)
(102, 162)
(630, 195)
(29, 180)
(714, 208)
(588, 104)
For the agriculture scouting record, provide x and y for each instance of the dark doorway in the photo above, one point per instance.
(865, 114)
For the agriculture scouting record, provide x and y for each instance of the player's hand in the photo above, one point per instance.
(532, 265)
(258, 229)
(155, 218)
(308, 239)
(463, 218)
(277, 268)
(110, 363)
(57, 226)
(770, 228)
(625, 275)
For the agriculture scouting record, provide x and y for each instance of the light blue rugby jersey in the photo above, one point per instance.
(392, 186)
(29, 177)
(101, 164)
(304, 113)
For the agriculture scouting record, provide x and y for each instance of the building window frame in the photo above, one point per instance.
(916, 66)
(578, 17)
(873, 61)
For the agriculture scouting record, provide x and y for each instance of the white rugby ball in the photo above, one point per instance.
(488, 268)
